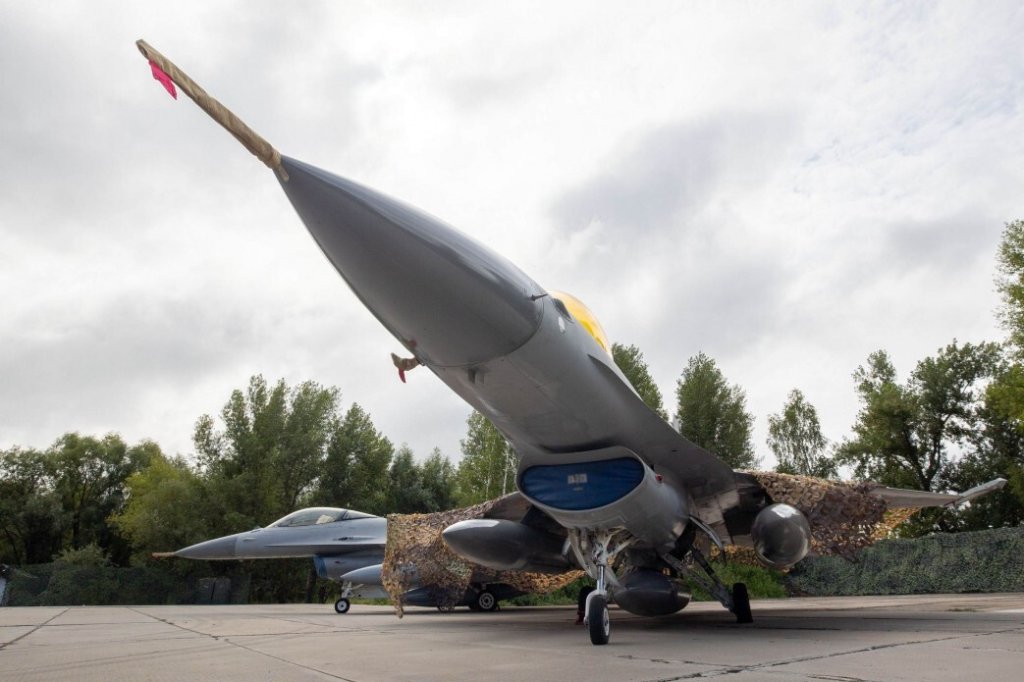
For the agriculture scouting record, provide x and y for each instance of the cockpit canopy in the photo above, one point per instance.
(573, 308)
(314, 516)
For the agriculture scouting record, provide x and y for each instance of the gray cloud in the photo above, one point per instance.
(665, 177)
(657, 208)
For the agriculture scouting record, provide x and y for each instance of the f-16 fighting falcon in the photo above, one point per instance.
(610, 484)
(346, 546)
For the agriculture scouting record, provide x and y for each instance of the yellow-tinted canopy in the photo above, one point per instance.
(586, 318)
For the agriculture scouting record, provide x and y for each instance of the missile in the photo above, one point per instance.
(647, 592)
(781, 535)
(507, 546)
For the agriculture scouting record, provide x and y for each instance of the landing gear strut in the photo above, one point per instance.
(596, 552)
(343, 604)
(735, 600)
(581, 603)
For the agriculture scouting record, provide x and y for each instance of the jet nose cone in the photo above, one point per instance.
(220, 548)
(447, 298)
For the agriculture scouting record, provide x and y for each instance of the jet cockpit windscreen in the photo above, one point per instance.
(314, 516)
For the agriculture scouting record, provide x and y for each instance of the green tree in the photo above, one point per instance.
(488, 466)
(713, 414)
(904, 435)
(998, 451)
(31, 517)
(270, 452)
(1010, 283)
(166, 508)
(998, 440)
(631, 361)
(795, 438)
(88, 476)
(355, 472)
(439, 483)
(406, 494)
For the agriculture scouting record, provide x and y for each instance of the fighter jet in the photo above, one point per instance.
(347, 546)
(630, 494)
(611, 483)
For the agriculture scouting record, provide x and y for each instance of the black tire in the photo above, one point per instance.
(486, 601)
(598, 623)
(741, 604)
(342, 605)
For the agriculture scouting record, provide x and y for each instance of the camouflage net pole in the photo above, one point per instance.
(251, 140)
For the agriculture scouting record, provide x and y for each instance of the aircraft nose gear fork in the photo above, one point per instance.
(604, 546)
(343, 604)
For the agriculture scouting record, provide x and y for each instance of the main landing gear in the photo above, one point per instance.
(485, 601)
(736, 600)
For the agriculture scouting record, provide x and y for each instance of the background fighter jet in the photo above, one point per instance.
(346, 546)
(607, 478)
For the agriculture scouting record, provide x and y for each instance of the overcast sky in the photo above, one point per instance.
(784, 186)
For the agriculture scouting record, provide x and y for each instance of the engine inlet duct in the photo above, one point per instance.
(604, 489)
(781, 535)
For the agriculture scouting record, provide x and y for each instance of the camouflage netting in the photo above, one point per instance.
(416, 553)
(844, 516)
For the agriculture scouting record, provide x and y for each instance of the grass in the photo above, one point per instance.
(762, 583)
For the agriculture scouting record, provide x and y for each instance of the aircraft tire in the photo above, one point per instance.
(741, 603)
(486, 601)
(599, 624)
(342, 605)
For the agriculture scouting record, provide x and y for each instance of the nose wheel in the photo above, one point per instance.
(596, 552)
(598, 623)
(342, 605)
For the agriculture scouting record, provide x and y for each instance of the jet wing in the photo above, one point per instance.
(899, 498)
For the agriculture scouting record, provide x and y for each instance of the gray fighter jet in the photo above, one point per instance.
(347, 546)
(612, 486)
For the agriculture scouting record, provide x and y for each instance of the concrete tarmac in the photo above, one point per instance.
(930, 637)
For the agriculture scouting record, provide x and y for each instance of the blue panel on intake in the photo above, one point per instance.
(585, 485)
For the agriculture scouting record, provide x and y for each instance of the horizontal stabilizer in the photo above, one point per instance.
(900, 498)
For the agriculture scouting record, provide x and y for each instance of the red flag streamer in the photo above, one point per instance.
(164, 79)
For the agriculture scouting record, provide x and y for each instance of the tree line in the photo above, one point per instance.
(956, 421)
